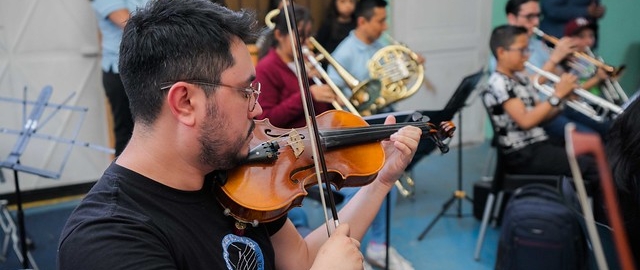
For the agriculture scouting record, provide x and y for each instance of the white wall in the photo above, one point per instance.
(52, 42)
(453, 37)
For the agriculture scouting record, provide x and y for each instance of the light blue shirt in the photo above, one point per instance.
(540, 53)
(353, 55)
(111, 33)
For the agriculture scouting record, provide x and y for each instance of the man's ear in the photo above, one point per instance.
(277, 34)
(360, 21)
(511, 19)
(500, 52)
(182, 102)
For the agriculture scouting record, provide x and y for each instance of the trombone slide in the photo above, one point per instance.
(312, 59)
(596, 62)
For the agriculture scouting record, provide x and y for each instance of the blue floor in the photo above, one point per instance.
(449, 244)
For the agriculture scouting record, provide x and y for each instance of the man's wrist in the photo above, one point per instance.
(554, 101)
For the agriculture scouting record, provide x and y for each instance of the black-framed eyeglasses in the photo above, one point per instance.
(531, 16)
(522, 51)
(251, 92)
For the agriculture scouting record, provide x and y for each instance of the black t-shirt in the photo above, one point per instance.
(128, 221)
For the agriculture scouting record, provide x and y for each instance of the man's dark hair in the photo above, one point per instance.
(168, 41)
(503, 36)
(364, 8)
(513, 6)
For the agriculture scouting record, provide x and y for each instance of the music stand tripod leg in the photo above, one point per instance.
(458, 194)
(445, 207)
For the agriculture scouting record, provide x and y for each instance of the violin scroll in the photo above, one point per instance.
(441, 133)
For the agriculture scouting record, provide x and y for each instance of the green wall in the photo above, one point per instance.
(619, 37)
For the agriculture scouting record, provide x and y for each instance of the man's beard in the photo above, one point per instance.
(217, 151)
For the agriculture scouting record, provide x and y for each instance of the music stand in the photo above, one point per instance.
(31, 125)
(424, 147)
(456, 103)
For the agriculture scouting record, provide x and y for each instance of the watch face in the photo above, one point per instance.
(554, 101)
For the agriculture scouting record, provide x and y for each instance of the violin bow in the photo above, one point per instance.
(307, 102)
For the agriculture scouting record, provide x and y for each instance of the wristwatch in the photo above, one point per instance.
(554, 101)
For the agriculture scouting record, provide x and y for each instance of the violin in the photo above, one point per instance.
(280, 165)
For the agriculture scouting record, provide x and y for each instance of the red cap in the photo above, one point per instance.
(576, 25)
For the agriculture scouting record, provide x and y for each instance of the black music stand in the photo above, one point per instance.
(31, 126)
(457, 103)
(424, 147)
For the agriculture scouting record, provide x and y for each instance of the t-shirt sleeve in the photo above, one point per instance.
(501, 88)
(105, 7)
(274, 226)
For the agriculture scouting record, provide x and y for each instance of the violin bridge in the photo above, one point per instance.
(295, 142)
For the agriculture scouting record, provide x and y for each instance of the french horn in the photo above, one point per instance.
(399, 70)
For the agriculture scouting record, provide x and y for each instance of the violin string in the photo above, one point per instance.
(370, 130)
(314, 136)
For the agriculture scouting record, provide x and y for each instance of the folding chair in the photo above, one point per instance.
(503, 183)
(579, 143)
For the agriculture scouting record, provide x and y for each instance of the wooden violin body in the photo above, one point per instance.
(265, 190)
(280, 165)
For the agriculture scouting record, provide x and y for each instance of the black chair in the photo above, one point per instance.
(502, 183)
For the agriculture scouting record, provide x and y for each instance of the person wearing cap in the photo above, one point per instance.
(589, 75)
(557, 13)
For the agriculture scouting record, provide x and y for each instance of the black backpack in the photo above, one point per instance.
(539, 231)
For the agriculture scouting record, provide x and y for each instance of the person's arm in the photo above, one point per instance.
(291, 249)
(596, 79)
(119, 17)
(527, 119)
(114, 11)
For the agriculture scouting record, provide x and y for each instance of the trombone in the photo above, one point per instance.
(608, 109)
(613, 71)
(317, 66)
(366, 95)
(407, 191)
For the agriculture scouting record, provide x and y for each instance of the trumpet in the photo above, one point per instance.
(366, 96)
(611, 89)
(613, 71)
(607, 109)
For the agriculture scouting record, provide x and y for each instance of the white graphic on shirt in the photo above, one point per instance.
(242, 253)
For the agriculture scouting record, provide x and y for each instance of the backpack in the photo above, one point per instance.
(539, 231)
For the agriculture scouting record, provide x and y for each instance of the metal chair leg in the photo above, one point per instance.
(483, 226)
(496, 209)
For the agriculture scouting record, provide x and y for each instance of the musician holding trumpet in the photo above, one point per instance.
(526, 13)
(517, 113)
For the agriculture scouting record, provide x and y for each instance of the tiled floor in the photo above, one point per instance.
(449, 245)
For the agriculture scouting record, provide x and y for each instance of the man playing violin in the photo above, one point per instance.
(190, 80)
